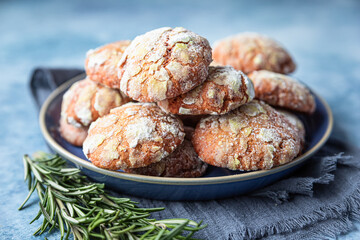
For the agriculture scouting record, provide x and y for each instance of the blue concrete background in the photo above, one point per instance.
(322, 36)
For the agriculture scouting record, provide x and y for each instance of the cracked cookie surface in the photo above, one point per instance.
(183, 162)
(131, 136)
(298, 124)
(86, 100)
(252, 137)
(164, 63)
(224, 90)
(282, 91)
(101, 64)
(251, 51)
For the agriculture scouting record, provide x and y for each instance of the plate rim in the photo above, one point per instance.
(169, 180)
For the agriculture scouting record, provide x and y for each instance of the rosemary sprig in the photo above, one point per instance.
(73, 204)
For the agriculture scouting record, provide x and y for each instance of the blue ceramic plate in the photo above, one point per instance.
(216, 183)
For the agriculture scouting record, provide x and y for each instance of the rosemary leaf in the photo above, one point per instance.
(36, 173)
(177, 230)
(28, 196)
(26, 168)
(51, 204)
(45, 214)
(158, 236)
(36, 217)
(78, 211)
(81, 191)
(152, 228)
(62, 197)
(124, 230)
(67, 217)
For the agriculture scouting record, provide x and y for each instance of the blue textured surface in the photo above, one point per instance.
(322, 36)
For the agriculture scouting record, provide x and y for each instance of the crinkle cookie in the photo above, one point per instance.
(294, 120)
(215, 64)
(251, 51)
(72, 134)
(86, 100)
(164, 63)
(253, 136)
(224, 90)
(280, 90)
(101, 64)
(183, 162)
(131, 136)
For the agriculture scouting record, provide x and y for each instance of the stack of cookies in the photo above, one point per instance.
(159, 105)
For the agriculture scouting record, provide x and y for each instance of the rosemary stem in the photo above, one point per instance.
(73, 204)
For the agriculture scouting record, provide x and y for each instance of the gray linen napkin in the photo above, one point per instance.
(319, 201)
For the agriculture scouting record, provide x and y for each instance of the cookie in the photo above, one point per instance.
(131, 136)
(215, 64)
(251, 137)
(164, 63)
(101, 64)
(224, 90)
(251, 51)
(72, 134)
(282, 91)
(86, 100)
(183, 162)
(294, 120)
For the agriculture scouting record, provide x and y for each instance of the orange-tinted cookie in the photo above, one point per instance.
(86, 100)
(101, 64)
(224, 90)
(216, 64)
(294, 120)
(251, 51)
(183, 162)
(164, 63)
(131, 136)
(253, 136)
(72, 134)
(280, 90)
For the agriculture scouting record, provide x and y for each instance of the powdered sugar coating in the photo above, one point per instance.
(253, 136)
(72, 134)
(283, 91)
(224, 90)
(86, 100)
(132, 136)
(183, 162)
(294, 120)
(215, 64)
(251, 51)
(101, 64)
(164, 63)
